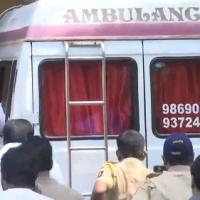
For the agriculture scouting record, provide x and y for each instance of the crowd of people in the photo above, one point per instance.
(28, 170)
(129, 179)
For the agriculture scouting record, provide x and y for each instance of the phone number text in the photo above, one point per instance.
(180, 108)
(180, 122)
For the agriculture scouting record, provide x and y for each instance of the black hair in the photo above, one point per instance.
(195, 171)
(17, 130)
(40, 152)
(131, 144)
(16, 169)
(186, 159)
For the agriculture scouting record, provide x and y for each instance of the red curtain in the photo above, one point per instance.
(176, 83)
(120, 95)
(86, 85)
(53, 99)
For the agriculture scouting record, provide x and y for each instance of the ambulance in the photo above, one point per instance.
(84, 71)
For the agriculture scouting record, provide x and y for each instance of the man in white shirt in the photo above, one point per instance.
(18, 177)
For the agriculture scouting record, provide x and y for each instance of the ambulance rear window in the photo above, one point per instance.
(7, 76)
(86, 85)
(175, 84)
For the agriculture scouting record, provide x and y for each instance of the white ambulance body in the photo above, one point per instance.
(84, 71)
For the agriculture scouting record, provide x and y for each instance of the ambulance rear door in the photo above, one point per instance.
(87, 93)
(172, 84)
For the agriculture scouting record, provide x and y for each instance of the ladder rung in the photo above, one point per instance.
(78, 103)
(84, 44)
(86, 194)
(85, 58)
(86, 148)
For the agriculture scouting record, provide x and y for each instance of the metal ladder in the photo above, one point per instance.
(85, 103)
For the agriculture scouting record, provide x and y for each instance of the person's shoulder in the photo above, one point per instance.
(148, 188)
(195, 197)
(51, 188)
(159, 177)
(22, 193)
(149, 182)
(32, 195)
(73, 194)
(154, 175)
(108, 174)
(110, 164)
(168, 176)
(46, 183)
(56, 172)
(8, 146)
(37, 196)
(61, 190)
(108, 167)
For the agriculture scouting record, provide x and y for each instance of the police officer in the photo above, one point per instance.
(175, 183)
(121, 180)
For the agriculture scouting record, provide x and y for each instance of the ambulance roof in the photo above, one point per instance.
(101, 19)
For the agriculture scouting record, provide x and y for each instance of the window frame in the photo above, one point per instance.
(153, 115)
(86, 137)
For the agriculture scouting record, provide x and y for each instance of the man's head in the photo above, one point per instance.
(195, 172)
(39, 151)
(17, 130)
(178, 150)
(16, 170)
(130, 144)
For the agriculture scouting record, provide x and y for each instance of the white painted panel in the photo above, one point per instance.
(48, 49)
(22, 98)
(172, 47)
(10, 51)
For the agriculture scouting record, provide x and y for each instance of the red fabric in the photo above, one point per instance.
(177, 82)
(86, 85)
(53, 99)
(120, 96)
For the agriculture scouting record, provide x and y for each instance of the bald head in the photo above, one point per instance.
(17, 130)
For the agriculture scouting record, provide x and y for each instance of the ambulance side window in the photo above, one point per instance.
(175, 84)
(86, 85)
(7, 75)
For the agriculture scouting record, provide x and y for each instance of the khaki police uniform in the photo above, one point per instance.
(123, 178)
(174, 184)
